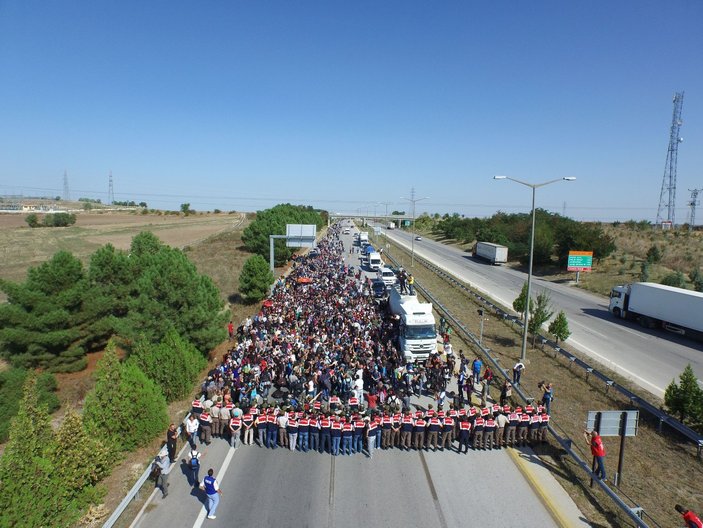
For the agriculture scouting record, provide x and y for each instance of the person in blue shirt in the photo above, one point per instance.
(213, 491)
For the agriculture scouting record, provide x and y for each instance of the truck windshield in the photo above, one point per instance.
(614, 294)
(420, 332)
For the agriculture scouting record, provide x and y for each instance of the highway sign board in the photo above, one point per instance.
(611, 422)
(580, 261)
(301, 235)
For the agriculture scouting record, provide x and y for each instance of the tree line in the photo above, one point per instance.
(555, 235)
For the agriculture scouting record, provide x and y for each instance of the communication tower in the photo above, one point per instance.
(110, 192)
(66, 193)
(667, 198)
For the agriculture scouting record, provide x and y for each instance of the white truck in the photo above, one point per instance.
(391, 225)
(658, 306)
(363, 238)
(493, 253)
(374, 261)
(417, 336)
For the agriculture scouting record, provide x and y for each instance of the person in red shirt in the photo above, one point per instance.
(692, 520)
(597, 450)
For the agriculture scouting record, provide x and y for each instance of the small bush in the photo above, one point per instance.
(675, 279)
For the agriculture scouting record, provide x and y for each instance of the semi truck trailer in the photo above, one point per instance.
(417, 336)
(657, 306)
(493, 253)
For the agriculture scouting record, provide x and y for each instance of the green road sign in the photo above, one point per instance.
(580, 261)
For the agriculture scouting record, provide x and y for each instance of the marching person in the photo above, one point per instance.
(213, 491)
(194, 465)
(192, 426)
(163, 463)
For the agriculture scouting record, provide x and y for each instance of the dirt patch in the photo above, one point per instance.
(660, 469)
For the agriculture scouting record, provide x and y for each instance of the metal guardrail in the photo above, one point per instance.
(649, 408)
(566, 443)
(132, 494)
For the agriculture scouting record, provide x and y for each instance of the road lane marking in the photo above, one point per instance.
(433, 491)
(220, 477)
(330, 510)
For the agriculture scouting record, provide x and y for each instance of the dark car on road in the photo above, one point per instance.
(378, 287)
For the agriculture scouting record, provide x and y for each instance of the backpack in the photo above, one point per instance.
(194, 462)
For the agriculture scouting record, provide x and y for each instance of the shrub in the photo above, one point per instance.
(30, 495)
(32, 220)
(11, 382)
(125, 408)
(174, 364)
(255, 278)
(685, 398)
(674, 279)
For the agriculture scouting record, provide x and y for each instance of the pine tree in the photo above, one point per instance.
(255, 278)
(540, 312)
(559, 327)
(174, 364)
(170, 293)
(125, 408)
(80, 461)
(29, 495)
(519, 304)
(686, 397)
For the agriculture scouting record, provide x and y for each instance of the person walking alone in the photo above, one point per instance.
(163, 462)
(213, 491)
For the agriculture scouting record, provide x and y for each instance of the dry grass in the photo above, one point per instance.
(659, 470)
(22, 247)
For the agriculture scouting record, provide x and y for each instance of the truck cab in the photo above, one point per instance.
(374, 260)
(618, 301)
(417, 335)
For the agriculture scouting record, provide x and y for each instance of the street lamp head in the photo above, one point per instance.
(500, 177)
(569, 178)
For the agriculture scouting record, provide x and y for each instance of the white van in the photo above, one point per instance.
(387, 276)
(375, 262)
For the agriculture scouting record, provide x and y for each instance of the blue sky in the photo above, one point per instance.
(242, 105)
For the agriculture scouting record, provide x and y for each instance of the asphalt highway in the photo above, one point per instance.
(280, 489)
(650, 358)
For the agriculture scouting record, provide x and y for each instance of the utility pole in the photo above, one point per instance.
(413, 201)
(667, 197)
(66, 193)
(110, 192)
(692, 204)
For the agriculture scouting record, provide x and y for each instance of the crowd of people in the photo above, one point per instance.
(318, 369)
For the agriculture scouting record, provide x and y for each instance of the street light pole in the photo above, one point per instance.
(413, 201)
(528, 300)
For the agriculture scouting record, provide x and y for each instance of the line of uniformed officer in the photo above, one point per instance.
(487, 428)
